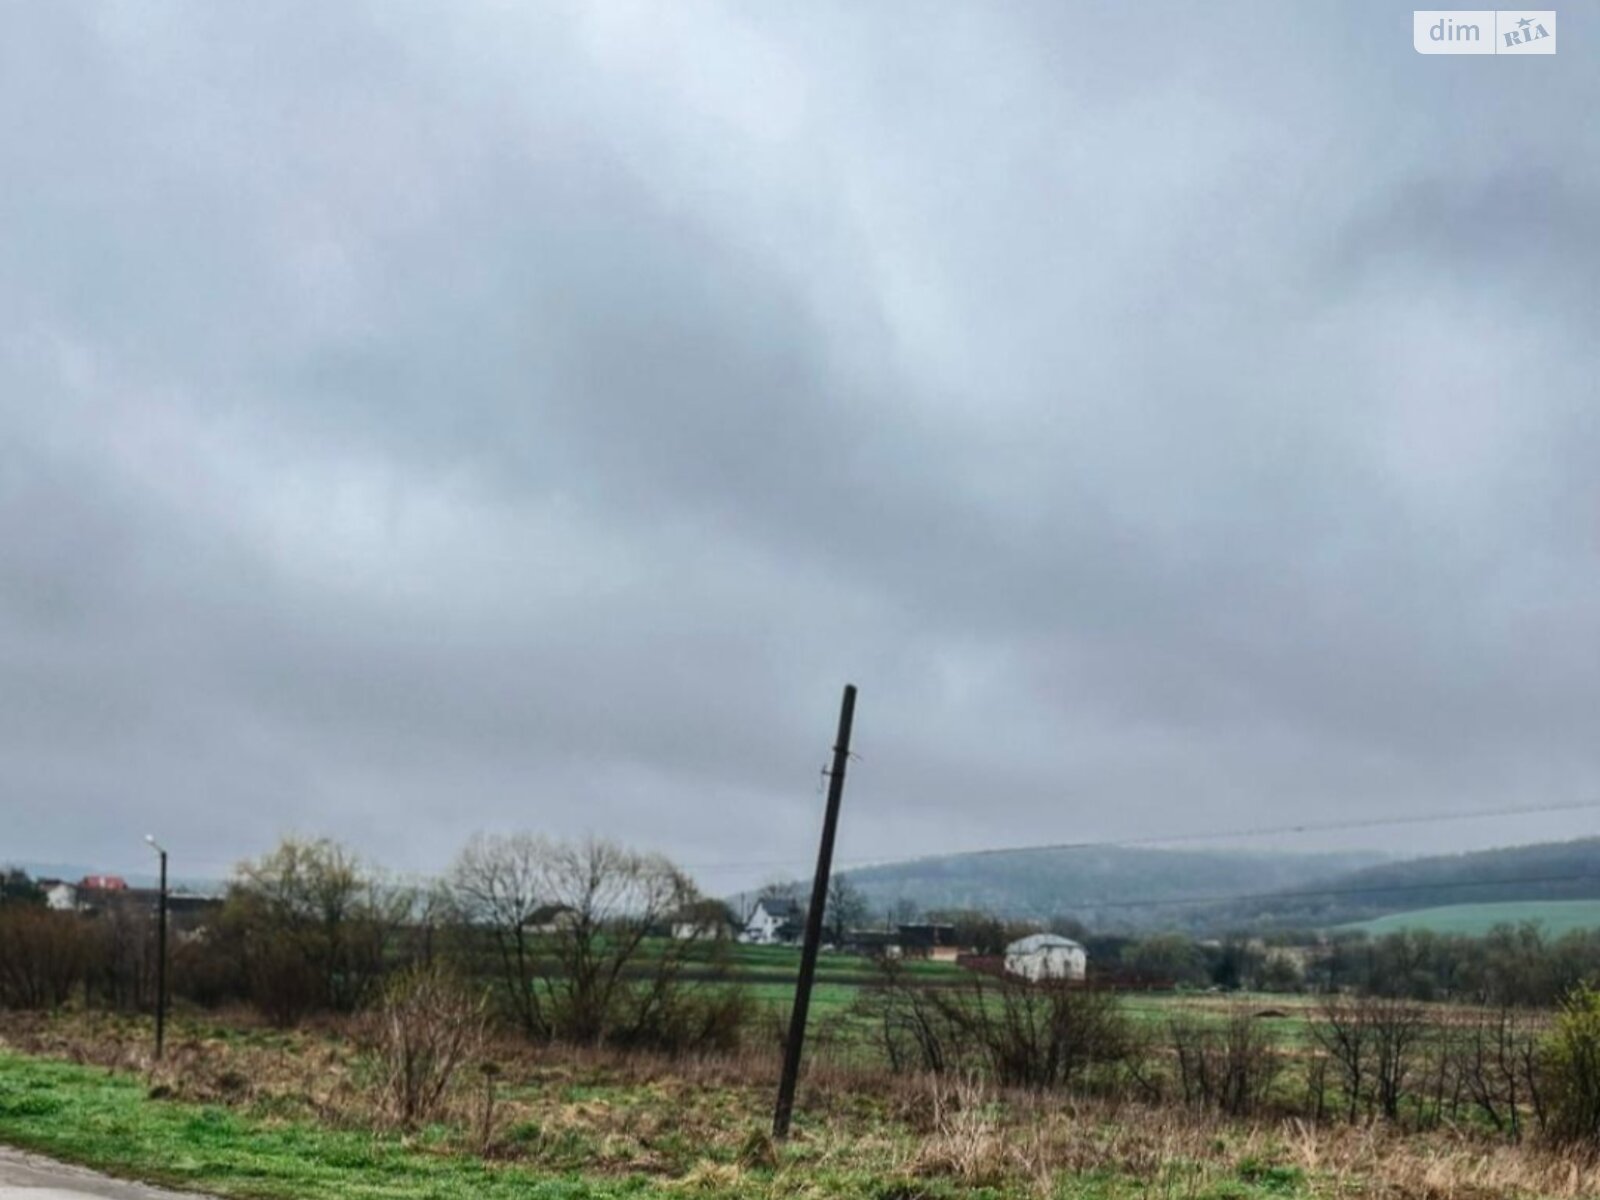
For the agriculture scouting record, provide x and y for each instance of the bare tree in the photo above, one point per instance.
(1374, 1043)
(846, 909)
(783, 887)
(1496, 1062)
(904, 911)
(571, 926)
(500, 883)
(432, 916)
(913, 1030)
(1344, 1034)
(609, 899)
(1400, 1030)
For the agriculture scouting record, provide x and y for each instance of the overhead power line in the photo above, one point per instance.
(221, 869)
(1167, 839)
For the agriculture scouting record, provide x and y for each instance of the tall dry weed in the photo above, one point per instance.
(429, 1026)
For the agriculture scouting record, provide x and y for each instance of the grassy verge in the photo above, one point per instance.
(109, 1122)
(238, 1110)
(258, 1113)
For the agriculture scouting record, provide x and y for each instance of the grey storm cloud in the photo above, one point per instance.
(417, 421)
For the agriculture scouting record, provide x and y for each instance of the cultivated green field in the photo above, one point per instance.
(1554, 917)
(767, 973)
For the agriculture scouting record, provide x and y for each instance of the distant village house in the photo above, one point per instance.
(936, 942)
(59, 894)
(702, 921)
(1043, 956)
(872, 943)
(775, 921)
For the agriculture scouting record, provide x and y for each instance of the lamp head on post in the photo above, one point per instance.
(154, 845)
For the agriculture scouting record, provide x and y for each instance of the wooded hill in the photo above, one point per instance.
(1542, 871)
(1109, 888)
(1115, 889)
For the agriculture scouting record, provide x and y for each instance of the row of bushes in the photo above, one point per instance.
(1366, 1059)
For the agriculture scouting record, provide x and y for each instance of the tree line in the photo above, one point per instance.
(1509, 966)
(559, 934)
(1516, 965)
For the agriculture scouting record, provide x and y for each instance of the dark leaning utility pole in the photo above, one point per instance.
(819, 901)
(161, 951)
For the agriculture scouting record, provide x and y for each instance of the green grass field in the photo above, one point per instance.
(1554, 917)
(767, 973)
(108, 1122)
(579, 1135)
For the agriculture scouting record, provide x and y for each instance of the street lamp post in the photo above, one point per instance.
(161, 951)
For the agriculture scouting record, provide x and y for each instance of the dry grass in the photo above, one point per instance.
(700, 1123)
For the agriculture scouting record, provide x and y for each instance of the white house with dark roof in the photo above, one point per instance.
(775, 921)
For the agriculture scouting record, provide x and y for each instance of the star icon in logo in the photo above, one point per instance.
(1525, 22)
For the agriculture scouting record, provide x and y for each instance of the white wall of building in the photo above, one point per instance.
(1048, 961)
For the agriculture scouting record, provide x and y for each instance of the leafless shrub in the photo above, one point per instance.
(1495, 1062)
(44, 955)
(428, 1026)
(676, 1018)
(1374, 1044)
(910, 1027)
(1230, 1067)
(1054, 1034)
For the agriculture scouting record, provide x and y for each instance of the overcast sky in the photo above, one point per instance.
(417, 419)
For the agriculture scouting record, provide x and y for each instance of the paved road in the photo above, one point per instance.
(29, 1177)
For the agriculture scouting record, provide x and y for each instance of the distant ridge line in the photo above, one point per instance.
(1166, 839)
(1264, 831)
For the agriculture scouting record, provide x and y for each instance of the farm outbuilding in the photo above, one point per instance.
(1046, 956)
